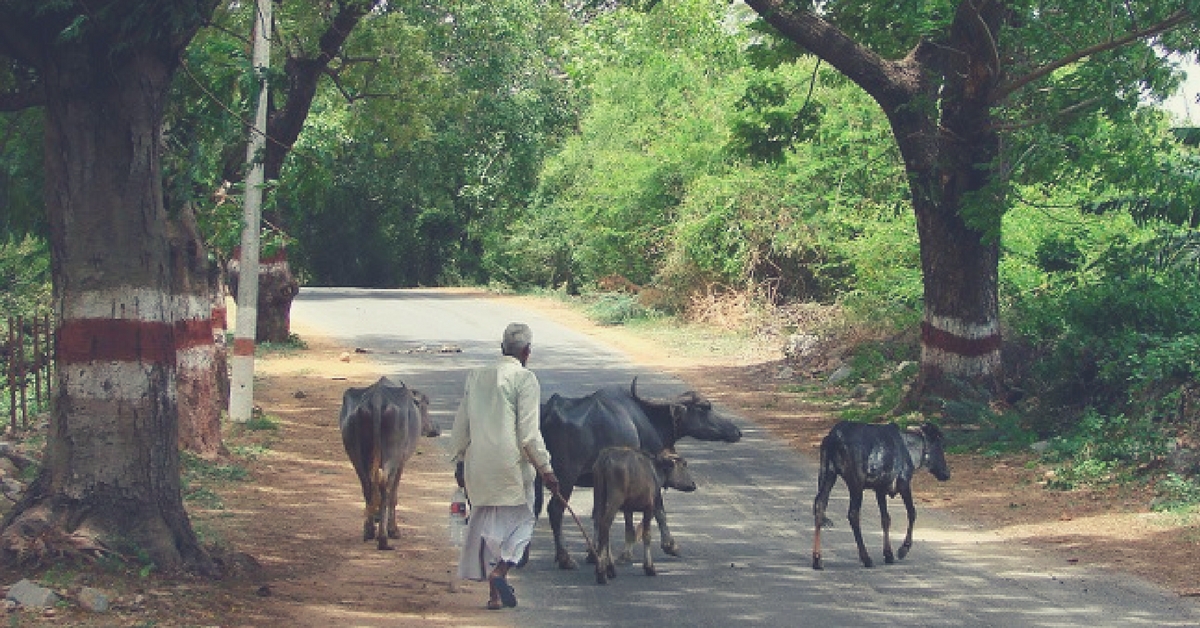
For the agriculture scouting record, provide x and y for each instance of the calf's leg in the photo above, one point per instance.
(820, 503)
(604, 564)
(668, 542)
(856, 497)
(647, 560)
(906, 494)
(630, 538)
(886, 520)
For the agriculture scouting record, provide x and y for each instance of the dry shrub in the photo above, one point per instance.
(723, 308)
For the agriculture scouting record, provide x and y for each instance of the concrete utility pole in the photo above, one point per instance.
(241, 389)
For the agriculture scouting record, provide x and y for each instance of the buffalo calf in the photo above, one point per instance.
(630, 480)
(380, 427)
(879, 457)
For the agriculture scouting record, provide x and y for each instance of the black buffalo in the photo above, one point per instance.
(575, 430)
(380, 427)
(878, 457)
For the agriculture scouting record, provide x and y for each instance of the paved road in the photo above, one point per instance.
(746, 533)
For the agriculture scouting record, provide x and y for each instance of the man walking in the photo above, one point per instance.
(498, 449)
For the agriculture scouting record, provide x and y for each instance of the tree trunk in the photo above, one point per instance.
(277, 288)
(938, 102)
(110, 480)
(201, 361)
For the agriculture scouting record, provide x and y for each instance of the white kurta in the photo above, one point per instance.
(496, 435)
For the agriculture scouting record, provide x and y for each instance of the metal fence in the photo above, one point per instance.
(26, 356)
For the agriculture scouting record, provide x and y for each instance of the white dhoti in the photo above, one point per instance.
(495, 534)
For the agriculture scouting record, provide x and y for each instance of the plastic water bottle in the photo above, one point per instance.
(458, 517)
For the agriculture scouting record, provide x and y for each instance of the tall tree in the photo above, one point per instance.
(956, 78)
(110, 479)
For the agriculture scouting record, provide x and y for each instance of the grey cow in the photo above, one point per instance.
(630, 480)
(380, 427)
(879, 457)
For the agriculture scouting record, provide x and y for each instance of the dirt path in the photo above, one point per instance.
(318, 571)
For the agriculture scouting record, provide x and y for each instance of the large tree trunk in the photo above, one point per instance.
(938, 102)
(110, 480)
(960, 334)
(201, 378)
(277, 288)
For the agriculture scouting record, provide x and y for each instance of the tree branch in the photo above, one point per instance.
(891, 83)
(1176, 19)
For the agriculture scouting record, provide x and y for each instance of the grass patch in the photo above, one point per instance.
(200, 478)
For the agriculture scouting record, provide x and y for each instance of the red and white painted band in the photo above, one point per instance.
(132, 325)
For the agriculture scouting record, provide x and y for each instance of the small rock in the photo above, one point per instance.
(799, 346)
(840, 375)
(345, 357)
(300, 394)
(93, 600)
(28, 594)
(785, 373)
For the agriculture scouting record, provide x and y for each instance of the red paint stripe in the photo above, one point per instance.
(243, 346)
(115, 340)
(196, 332)
(957, 345)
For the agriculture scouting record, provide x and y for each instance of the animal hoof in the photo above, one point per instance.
(903, 551)
(889, 559)
(566, 562)
(611, 571)
(591, 558)
(671, 548)
(600, 578)
(868, 563)
(817, 564)
(650, 570)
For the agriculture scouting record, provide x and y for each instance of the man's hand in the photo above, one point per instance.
(458, 474)
(551, 481)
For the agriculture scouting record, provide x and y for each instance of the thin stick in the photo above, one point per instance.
(586, 538)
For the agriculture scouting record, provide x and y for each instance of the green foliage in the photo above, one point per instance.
(200, 478)
(1103, 449)
(24, 277)
(1177, 493)
(22, 212)
(616, 309)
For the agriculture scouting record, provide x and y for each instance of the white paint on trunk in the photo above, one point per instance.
(961, 328)
(135, 303)
(110, 381)
(961, 365)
